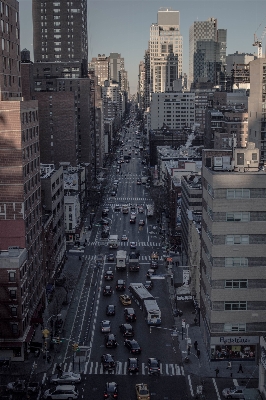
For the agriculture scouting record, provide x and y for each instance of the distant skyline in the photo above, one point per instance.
(123, 26)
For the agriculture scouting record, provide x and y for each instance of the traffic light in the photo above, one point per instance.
(58, 340)
(45, 345)
(75, 347)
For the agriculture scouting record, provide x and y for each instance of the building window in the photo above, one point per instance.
(236, 284)
(13, 293)
(234, 327)
(12, 276)
(13, 311)
(238, 194)
(14, 328)
(236, 262)
(70, 227)
(235, 305)
(236, 239)
(238, 216)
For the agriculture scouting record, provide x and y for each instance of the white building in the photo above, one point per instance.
(174, 110)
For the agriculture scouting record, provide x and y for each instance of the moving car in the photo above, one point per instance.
(111, 257)
(107, 291)
(240, 392)
(125, 299)
(110, 341)
(105, 212)
(127, 330)
(133, 245)
(150, 272)
(142, 391)
(154, 366)
(133, 346)
(66, 377)
(111, 391)
(117, 208)
(105, 326)
(108, 362)
(132, 365)
(110, 309)
(124, 238)
(120, 285)
(141, 222)
(113, 192)
(109, 275)
(130, 314)
(148, 285)
(64, 392)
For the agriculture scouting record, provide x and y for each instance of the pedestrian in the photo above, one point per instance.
(198, 353)
(195, 320)
(229, 365)
(196, 345)
(188, 350)
(217, 371)
(240, 369)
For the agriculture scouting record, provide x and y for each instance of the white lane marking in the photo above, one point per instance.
(182, 371)
(143, 369)
(86, 367)
(190, 386)
(44, 377)
(216, 389)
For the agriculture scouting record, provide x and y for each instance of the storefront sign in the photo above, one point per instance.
(235, 340)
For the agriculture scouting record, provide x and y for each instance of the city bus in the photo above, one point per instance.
(152, 312)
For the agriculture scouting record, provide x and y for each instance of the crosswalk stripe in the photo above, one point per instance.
(95, 367)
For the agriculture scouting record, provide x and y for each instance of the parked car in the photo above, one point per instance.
(61, 392)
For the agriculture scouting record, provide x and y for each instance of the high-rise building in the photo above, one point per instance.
(257, 105)
(60, 31)
(233, 285)
(60, 53)
(207, 51)
(166, 51)
(100, 65)
(22, 280)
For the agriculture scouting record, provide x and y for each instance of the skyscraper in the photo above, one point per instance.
(60, 31)
(166, 51)
(22, 280)
(207, 51)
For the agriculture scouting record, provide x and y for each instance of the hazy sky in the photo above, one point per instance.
(122, 26)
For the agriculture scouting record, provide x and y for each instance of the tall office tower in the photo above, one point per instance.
(60, 32)
(117, 63)
(141, 86)
(257, 105)
(166, 51)
(233, 284)
(207, 51)
(22, 280)
(100, 65)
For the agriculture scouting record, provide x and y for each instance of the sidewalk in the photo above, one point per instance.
(203, 366)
